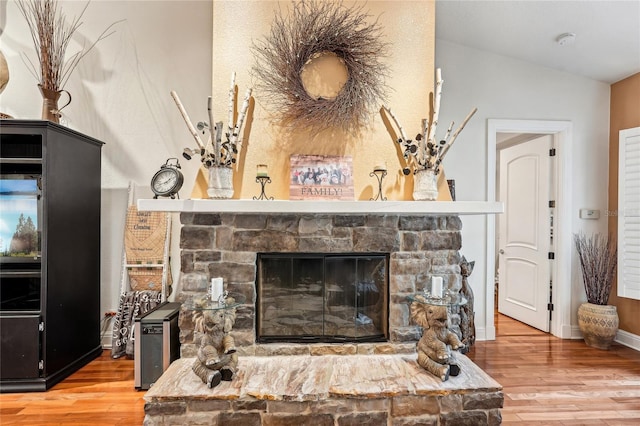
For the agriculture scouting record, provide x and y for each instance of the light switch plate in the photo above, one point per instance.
(589, 214)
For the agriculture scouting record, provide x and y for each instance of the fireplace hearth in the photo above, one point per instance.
(330, 298)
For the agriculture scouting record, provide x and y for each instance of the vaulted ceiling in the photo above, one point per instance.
(607, 33)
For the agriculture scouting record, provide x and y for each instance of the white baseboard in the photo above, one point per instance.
(623, 337)
(573, 332)
(106, 341)
(483, 333)
(576, 333)
(628, 339)
(568, 332)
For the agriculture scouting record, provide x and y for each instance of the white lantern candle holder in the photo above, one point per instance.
(437, 287)
(217, 289)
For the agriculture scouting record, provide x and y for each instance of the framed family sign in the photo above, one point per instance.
(321, 177)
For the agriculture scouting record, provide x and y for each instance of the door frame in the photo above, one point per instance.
(563, 141)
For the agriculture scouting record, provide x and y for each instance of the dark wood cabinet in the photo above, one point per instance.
(49, 293)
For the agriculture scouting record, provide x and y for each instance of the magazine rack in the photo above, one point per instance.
(145, 257)
(146, 276)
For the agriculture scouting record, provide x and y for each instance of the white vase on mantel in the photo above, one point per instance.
(425, 185)
(220, 183)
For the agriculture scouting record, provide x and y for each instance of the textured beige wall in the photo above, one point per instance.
(625, 114)
(409, 28)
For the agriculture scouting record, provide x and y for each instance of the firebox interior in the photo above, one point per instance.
(318, 297)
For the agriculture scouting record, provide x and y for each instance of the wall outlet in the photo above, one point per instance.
(589, 214)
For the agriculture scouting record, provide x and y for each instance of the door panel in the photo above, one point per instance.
(522, 185)
(524, 272)
(20, 347)
(523, 292)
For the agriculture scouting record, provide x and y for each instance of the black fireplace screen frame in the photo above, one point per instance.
(322, 297)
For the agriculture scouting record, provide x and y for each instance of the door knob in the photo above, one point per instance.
(501, 251)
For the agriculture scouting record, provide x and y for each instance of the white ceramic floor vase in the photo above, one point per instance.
(220, 182)
(425, 185)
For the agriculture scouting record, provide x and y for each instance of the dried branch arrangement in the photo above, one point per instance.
(313, 28)
(424, 152)
(51, 34)
(598, 260)
(216, 152)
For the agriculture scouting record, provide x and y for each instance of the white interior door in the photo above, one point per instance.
(524, 242)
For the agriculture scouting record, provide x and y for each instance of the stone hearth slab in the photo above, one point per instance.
(278, 390)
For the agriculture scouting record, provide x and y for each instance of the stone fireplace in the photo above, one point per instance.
(230, 245)
(379, 380)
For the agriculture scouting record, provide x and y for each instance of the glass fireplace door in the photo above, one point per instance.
(290, 296)
(322, 298)
(356, 297)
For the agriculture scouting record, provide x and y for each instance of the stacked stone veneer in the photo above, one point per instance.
(225, 245)
(359, 390)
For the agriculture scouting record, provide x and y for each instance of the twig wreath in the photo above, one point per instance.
(314, 28)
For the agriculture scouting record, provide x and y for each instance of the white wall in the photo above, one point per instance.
(505, 88)
(121, 96)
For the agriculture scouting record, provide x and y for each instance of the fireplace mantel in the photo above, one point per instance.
(323, 207)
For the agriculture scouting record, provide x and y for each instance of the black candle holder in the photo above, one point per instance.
(379, 174)
(263, 180)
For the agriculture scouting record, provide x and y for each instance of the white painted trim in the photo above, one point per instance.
(490, 238)
(481, 334)
(323, 207)
(623, 337)
(574, 332)
(561, 316)
(628, 339)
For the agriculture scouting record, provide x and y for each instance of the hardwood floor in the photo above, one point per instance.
(546, 380)
(100, 394)
(551, 381)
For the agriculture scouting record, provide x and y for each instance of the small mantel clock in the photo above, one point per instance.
(168, 180)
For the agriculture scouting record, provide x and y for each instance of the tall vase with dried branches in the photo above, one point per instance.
(217, 155)
(424, 154)
(51, 35)
(598, 259)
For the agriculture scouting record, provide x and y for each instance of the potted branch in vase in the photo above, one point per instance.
(51, 34)
(218, 156)
(598, 321)
(424, 154)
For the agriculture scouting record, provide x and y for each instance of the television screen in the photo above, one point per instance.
(19, 217)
